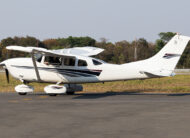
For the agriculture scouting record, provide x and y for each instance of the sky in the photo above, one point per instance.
(115, 20)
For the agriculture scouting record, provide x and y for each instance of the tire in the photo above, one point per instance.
(22, 93)
(70, 93)
(52, 94)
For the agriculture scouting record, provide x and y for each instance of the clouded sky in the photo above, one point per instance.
(112, 19)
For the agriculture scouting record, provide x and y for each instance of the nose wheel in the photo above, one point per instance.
(70, 93)
(52, 94)
(22, 93)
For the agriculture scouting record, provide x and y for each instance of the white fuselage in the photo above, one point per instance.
(23, 69)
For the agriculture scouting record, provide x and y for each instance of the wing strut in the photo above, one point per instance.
(35, 67)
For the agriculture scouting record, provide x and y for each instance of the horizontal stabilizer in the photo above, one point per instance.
(159, 73)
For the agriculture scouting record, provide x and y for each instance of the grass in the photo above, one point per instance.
(177, 84)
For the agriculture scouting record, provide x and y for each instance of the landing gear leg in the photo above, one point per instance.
(70, 92)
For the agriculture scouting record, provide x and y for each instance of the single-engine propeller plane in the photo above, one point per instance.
(66, 69)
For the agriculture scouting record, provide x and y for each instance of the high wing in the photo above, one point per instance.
(70, 52)
(81, 51)
(34, 50)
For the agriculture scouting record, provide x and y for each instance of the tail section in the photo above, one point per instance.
(165, 61)
(168, 57)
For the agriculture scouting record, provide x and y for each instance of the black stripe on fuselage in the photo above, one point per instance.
(68, 72)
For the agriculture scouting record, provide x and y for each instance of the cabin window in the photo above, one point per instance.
(52, 60)
(82, 63)
(95, 62)
(69, 61)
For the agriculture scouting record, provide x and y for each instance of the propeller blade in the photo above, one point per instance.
(7, 75)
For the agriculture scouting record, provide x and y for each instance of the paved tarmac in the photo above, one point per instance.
(107, 115)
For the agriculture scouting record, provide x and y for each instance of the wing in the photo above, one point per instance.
(38, 50)
(82, 51)
(34, 50)
(25, 49)
(70, 52)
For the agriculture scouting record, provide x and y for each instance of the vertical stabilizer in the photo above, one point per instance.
(168, 57)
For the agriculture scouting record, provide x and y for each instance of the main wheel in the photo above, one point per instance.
(70, 93)
(22, 93)
(52, 94)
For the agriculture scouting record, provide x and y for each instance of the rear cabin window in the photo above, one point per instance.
(82, 63)
(69, 61)
(95, 62)
(52, 60)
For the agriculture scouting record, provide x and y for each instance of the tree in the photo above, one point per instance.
(159, 45)
(164, 38)
(51, 43)
(8, 41)
(21, 41)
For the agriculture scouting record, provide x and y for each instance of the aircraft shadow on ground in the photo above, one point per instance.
(92, 95)
(102, 95)
(108, 94)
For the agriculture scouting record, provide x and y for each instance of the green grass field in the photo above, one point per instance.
(177, 84)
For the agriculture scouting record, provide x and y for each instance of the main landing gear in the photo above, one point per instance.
(68, 89)
(24, 89)
(51, 90)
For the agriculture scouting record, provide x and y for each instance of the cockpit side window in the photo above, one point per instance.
(38, 57)
(95, 62)
(49, 60)
(82, 62)
(69, 61)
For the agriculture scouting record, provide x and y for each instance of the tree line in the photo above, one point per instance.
(119, 52)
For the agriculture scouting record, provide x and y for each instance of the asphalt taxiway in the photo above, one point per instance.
(106, 115)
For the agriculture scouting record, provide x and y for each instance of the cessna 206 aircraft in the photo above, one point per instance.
(74, 66)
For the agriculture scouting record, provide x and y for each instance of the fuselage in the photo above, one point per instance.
(93, 70)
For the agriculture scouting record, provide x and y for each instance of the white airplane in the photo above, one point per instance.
(74, 66)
